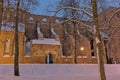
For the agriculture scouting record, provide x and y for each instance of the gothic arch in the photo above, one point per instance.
(49, 58)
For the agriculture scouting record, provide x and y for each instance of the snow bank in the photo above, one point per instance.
(59, 72)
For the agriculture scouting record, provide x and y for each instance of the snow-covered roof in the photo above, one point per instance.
(46, 41)
(9, 26)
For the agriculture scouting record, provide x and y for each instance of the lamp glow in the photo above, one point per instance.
(82, 48)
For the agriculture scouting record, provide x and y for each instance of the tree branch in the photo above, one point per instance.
(72, 8)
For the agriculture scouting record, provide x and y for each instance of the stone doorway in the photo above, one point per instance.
(49, 59)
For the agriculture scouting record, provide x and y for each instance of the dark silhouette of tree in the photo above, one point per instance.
(67, 14)
(25, 5)
(16, 59)
(1, 12)
(93, 15)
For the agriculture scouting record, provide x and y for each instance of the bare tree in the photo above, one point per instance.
(29, 4)
(69, 3)
(99, 46)
(67, 14)
(24, 5)
(1, 12)
(16, 61)
(17, 5)
(97, 37)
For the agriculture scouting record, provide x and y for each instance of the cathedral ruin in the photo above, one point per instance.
(42, 39)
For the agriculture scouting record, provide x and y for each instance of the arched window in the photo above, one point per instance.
(57, 21)
(92, 47)
(44, 20)
(14, 49)
(27, 48)
(49, 59)
(31, 18)
(7, 47)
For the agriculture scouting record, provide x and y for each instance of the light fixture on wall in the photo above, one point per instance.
(82, 48)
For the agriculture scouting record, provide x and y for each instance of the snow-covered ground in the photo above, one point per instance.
(58, 72)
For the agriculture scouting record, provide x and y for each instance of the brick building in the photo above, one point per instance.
(46, 41)
(109, 21)
(7, 49)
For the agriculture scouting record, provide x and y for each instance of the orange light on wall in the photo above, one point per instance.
(82, 48)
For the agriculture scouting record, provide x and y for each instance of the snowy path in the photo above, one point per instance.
(58, 72)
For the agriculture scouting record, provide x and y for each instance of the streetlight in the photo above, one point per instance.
(82, 49)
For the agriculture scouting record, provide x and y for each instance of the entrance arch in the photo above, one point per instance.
(49, 59)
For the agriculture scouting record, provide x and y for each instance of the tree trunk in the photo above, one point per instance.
(75, 55)
(99, 46)
(1, 12)
(16, 58)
